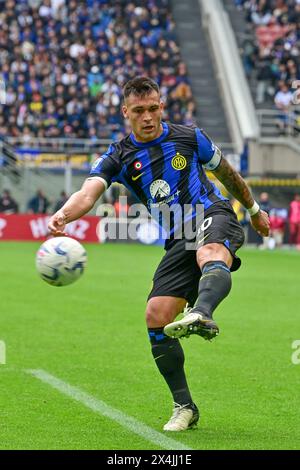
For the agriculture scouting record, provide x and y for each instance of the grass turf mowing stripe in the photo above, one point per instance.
(102, 408)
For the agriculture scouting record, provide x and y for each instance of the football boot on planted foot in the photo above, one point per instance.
(183, 417)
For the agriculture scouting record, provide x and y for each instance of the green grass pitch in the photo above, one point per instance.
(92, 335)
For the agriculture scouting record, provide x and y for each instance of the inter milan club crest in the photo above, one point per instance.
(178, 162)
(137, 165)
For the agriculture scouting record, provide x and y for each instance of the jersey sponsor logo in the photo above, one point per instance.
(160, 192)
(178, 162)
(160, 189)
(134, 178)
(154, 205)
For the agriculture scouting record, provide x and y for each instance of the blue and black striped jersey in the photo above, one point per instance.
(167, 170)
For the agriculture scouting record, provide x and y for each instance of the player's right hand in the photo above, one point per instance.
(57, 224)
(261, 223)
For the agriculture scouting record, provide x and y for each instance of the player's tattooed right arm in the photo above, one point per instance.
(234, 183)
(238, 187)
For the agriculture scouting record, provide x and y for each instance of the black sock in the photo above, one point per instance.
(169, 357)
(214, 286)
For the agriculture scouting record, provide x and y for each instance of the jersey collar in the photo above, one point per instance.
(152, 142)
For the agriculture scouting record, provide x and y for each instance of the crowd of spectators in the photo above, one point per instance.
(64, 63)
(274, 56)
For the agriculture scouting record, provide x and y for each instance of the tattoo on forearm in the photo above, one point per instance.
(234, 183)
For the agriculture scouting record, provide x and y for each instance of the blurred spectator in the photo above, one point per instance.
(64, 63)
(264, 78)
(264, 202)
(38, 204)
(7, 204)
(278, 218)
(283, 101)
(249, 52)
(294, 221)
(61, 201)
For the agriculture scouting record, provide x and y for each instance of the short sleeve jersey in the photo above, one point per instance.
(167, 170)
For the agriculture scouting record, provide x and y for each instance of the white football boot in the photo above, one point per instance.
(193, 323)
(183, 417)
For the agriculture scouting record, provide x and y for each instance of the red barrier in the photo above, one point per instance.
(34, 227)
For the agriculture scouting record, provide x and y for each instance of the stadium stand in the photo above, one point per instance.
(195, 48)
(64, 63)
(268, 36)
(275, 52)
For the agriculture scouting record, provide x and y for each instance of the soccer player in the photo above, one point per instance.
(164, 164)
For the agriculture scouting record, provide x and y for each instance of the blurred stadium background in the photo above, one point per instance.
(232, 67)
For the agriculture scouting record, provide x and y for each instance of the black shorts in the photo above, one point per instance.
(178, 273)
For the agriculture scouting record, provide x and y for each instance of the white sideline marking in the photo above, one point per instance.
(102, 408)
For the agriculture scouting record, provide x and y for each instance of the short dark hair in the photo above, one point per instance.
(140, 86)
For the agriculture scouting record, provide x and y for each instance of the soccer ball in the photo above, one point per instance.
(60, 261)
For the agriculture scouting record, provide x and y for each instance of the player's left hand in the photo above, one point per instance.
(261, 223)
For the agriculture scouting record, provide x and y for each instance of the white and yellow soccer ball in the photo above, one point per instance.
(61, 261)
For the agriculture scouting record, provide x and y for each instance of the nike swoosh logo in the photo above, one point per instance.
(134, 178)
(158, 357)
(202, 240)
